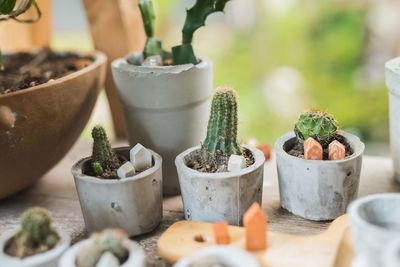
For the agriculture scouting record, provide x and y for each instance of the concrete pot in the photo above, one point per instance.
(133, 204)
(225, 255)
(374, 222)
(317, 189)
(48, 120)
(136, 256)
(393, 84)
(165, 108)
(391, 254)
(45, 259)
(224, 196)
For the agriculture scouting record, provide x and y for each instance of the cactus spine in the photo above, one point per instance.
(316, 124)
(222, 125)
(153, 46)
(195, 18)
(102, 153)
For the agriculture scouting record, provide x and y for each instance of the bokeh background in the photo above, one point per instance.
(282, 56)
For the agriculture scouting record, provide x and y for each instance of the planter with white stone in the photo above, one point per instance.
(317, 189)
(220, 196)
(133, 203)
(165, 107)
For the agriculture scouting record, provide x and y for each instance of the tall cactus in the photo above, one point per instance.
(102, 153)
(153, 46)
(222, 125)
(195, 18)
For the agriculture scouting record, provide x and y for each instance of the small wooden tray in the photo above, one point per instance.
(186, 237)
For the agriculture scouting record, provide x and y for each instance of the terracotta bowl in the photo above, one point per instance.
(48, 120)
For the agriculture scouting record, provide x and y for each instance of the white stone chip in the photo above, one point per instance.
(126, 170)
(152, 61)
(140, 157)
(236, 163)
(108, 260)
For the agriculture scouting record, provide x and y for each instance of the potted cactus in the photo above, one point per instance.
(37, 243)
(165, 96)
(119, 187)
(109, 248)
(214, 187)
(318, 167)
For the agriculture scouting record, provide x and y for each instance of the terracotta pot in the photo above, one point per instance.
(48, 120)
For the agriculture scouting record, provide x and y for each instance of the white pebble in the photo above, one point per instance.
(152, 61)
(140, 157)
(126, 170)
(108, 260)
(236, 163)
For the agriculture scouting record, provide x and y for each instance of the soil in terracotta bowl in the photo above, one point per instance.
(24, 70)
(294, 148)
(215, 164)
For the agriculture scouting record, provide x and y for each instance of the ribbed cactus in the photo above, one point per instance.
(102, 153)
(195, 18)
(316, 124)
(153, 46)
(222, 125)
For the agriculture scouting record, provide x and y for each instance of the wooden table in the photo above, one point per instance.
(56, 192)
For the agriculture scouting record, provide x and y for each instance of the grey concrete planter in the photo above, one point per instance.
(136, 256)
(165, 108)
(317, 189)
(133, 204)
(223, 196)
(391, 254)
(393, 84)
(374, 222)
(45, 259)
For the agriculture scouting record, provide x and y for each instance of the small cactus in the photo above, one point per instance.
(153, 46)
(316, 124)
(102, 153)
(89, 256)
(222, 125)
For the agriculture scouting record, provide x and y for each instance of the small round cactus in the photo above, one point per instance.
(316, 124)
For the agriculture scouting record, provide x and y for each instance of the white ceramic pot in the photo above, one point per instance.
(133, 204)
(165, 108)
(317, 189)
(223, 196)
(374, 222)
(226, 255)
(45, 259)
(393, 84)
(136, 256)
(391, 254)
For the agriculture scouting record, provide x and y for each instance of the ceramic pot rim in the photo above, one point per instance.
(258, 155)
(353, 140)
(77, 169)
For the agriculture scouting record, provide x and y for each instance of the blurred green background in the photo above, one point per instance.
(284, 56)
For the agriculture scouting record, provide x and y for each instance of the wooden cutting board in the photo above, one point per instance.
(186, 237)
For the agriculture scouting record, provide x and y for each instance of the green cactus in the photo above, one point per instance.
(222, 125)
(195, 18)
(153, 46)
(316, 124)
(102, 153)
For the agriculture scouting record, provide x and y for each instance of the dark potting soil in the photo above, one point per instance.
(298, 149)
(216, 164)
(25, 70)
(11, 249)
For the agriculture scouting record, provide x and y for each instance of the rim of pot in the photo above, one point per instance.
(353, 211)
(258, 155)
(37, 259)
(99, 59)
(353, 140)
(77, 169)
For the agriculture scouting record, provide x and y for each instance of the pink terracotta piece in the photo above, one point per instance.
(336, 150)
(256, 223)
(312, 149)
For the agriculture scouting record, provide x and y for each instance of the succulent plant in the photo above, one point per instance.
(102, 153)
(316, 124)
(153, 46)
(222, 125)
(195, 18)
(89, 256)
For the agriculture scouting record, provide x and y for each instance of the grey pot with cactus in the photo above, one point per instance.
(38, 243)
(211, 191)
(164, 95)
(318, 167)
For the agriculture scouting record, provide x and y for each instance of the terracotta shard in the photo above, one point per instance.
(256, 223)
(312, 149)
(336, 150)
(221, 233)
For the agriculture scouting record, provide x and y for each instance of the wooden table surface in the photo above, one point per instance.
(56, 192)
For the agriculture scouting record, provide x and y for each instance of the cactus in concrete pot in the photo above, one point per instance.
(316, 124)
(102, 155)
(153, 46)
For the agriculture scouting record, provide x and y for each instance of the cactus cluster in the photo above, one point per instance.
(153, 46)
(36, 234)
(111, 240)
(222, 125)
(102, 153)
(316, 124)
